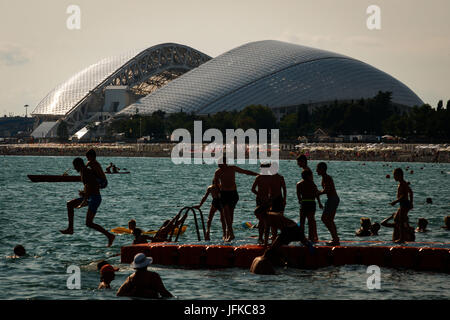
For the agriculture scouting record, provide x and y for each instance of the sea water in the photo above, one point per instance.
(32, 214)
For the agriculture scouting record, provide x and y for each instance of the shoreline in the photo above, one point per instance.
(428, 153)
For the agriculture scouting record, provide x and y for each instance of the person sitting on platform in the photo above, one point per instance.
(143, 283)
(139, 237)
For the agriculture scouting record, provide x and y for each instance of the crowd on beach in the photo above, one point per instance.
(314, 151)
(270, 190)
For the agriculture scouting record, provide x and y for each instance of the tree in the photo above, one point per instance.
(440, 105)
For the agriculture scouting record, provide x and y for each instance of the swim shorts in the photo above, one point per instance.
(308, 206)
(331, 205)
(216, 203)
(277, 204)
(405, 204)
(290, 234)
(229, 198)
(93, 202)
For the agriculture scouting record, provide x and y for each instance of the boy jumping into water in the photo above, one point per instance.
(90, 195)
(226, 178)
(329, 211)
(405, 198)
(307, 193)
(216, 205)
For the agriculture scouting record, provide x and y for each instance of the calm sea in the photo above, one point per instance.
(32, 213)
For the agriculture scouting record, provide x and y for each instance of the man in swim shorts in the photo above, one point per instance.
(307, 193)
(226, 178)
(406, 204)
(329, 210)
(261, 188)
(90, 195)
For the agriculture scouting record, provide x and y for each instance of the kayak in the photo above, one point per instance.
(123, 172)
(53, 178)
(123, 230)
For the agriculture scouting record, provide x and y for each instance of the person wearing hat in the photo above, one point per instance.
(107, 274)
(143, 283)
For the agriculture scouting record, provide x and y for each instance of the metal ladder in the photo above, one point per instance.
(181, 220)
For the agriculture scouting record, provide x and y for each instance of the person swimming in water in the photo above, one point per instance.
(225, 176)
(364, 230)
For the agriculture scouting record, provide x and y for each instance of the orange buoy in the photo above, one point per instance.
(403, 257)
(244, 255)
(434, 259)
(346, 255)
(220, 256)
(192, 255)
(375, 256)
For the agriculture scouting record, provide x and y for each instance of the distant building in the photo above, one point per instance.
(171, 77)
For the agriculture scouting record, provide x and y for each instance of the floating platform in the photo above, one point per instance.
(223, 256)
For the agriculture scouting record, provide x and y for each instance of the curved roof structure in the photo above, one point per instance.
(274, 74)
(124, 69)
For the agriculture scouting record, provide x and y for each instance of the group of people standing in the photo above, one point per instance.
(270, 190)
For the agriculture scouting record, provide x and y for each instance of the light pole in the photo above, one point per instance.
(26, 110)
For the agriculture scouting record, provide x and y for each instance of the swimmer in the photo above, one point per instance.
(446, 225)
(422, 225)
(405, 198)
(143, 283)
(307, 193)
(19, 251)
(374, 228)
(216, 205)
(364, 231)
(225, 176)
(91, 195)
(107, 275)
(263, 264)
(330, 208)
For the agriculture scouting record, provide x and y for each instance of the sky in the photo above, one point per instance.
(38, 51)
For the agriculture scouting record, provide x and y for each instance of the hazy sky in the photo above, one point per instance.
(38, 51)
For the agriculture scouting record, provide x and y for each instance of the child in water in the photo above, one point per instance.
(365, 229)
(405, 198)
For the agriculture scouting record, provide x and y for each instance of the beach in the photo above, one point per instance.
(437, 153)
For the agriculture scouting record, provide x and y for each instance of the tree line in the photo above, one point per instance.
(374, 116)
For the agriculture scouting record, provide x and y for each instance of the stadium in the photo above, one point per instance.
(172, 78)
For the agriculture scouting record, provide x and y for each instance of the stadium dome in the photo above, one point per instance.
(172, 77)
(274, 74)
(81, 99)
